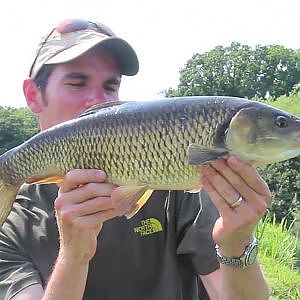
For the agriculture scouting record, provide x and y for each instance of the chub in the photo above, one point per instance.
(151, 145)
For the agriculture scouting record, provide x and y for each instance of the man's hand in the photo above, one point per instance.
(84, 202)
(225, 181)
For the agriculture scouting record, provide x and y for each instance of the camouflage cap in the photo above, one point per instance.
(73, 37)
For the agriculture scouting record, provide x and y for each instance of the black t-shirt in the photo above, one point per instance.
(157, 254)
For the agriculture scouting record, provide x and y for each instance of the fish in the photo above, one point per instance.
(151, 145)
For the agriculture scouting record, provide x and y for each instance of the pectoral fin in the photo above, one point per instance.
(53, 179)
(133, 197)
(198, 155)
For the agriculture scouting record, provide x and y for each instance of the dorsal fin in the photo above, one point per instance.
(95, 108)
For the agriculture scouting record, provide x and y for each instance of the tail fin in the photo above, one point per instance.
(8, 195)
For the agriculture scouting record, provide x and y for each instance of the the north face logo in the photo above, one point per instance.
(148, 226)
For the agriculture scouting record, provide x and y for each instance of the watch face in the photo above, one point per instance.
(251, 255)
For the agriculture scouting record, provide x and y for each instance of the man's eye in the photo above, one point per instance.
(111, 88)
(76, 84)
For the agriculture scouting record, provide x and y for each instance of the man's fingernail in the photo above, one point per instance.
(101, 174)
(233, 160)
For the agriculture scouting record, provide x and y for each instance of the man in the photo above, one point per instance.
(69, 243)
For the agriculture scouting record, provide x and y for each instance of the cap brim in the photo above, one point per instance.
(121, 50)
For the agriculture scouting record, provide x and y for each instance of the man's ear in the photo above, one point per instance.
(33, 96)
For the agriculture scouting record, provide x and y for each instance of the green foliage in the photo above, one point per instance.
(284, 283)
(278, 256)
(239, 70)
(16, 126)
(284, 181)
(277, 240)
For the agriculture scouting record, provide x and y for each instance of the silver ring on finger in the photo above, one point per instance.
(237, 203)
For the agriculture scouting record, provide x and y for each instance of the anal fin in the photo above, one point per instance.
(139, 204)
(133, 197)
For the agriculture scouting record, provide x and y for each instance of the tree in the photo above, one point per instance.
(16, 126)
(240, 71)
(280, 70)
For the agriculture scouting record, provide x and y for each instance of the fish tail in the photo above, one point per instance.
(8, 193)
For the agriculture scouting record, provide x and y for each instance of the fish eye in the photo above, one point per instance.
(281, 121)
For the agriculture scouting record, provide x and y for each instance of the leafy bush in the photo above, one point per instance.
(284, 181)
(16, 126)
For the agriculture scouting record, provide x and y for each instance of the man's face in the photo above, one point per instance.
(72, 87)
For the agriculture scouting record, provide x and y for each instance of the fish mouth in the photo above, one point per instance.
(295, 140)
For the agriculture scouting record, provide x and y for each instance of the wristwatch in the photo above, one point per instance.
(245, 260)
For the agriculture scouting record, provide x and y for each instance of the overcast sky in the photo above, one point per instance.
(164, 33)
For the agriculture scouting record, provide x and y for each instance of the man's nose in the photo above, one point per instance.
(96, 97)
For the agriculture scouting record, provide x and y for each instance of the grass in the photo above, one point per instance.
(290, 104)
(284, 283)
(278, 256)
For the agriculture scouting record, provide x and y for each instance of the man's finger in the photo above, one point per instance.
(227, 190)
(250, 176)
(220, 203)
(79, 177)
